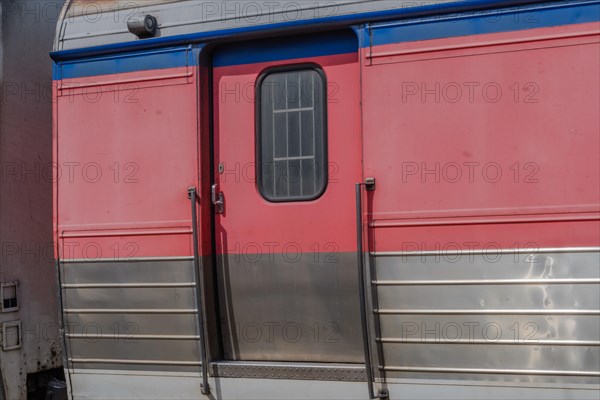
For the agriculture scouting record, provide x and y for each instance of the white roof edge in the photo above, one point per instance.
(81, 28)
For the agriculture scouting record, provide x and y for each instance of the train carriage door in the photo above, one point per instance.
(287, 153)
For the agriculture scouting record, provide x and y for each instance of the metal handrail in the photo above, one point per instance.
(383, 393)
(193, 196)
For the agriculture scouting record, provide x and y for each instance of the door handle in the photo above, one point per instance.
(218, 199)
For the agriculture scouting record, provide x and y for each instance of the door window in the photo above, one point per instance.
(292, 134)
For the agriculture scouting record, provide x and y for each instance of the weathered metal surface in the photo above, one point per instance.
(280, 311)
(138, 315)
(94, 23)
(439, 319)
(26, 188)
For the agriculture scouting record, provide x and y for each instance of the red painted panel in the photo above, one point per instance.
(527, 235)
(502, 130)
(250, 223)
(126, 158)
(483, 43)
(125, 247)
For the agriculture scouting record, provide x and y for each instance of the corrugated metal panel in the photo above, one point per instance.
(533, 318)
(141, 315)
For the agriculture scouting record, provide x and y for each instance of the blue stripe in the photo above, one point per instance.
(56, 71)
(141, 61)
(533, 16)
(334, 21)
(507, 20)
(305, 46)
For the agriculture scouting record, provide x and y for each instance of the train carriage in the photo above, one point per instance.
(344, 200)
(30, 343)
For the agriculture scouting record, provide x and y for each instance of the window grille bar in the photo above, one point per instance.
(290, 110)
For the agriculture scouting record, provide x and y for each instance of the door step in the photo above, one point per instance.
(294, 371)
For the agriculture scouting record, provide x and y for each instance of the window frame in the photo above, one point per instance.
(258, 129)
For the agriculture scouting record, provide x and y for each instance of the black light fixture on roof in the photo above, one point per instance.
(143, 27)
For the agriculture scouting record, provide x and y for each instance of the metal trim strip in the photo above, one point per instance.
(123, 226)
(139, 232)
(128, 311)
(134, 362)
(126, 260)
(485, 251)
(488, 371)
(485, 312)
(128, 285)
(496, 342)
(133, 337)
(185, 374)
(580, 212)
(465, 282)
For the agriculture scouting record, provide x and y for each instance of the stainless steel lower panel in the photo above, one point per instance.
(131, 315)
(273, 309)
(504, 317)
